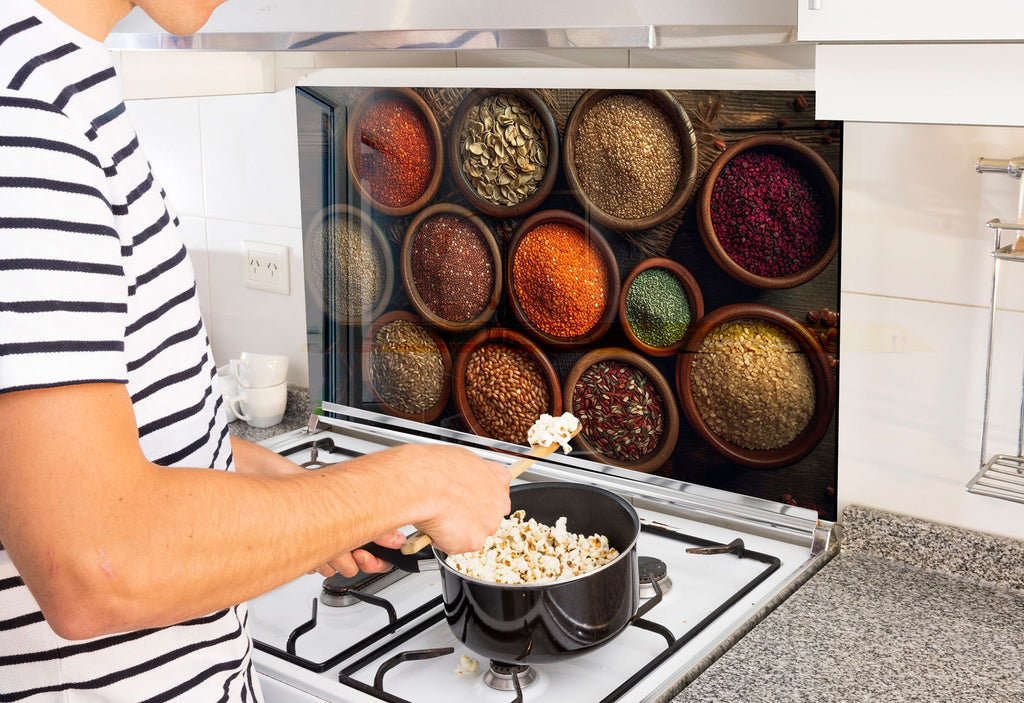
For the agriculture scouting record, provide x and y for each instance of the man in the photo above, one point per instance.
(124, 556)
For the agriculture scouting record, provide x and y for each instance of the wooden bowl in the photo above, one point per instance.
(478, 202)
(353, 142)
(654, 459)
(322, 265)
(434, 410)
(408, 279)
(501, 335)
(597, 240)
(824, 387)
(690, 288)
(818, 173)
(687, 147)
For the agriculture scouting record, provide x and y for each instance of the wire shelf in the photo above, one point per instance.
(1001, 477)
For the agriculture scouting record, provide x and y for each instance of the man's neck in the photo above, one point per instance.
(94, 18)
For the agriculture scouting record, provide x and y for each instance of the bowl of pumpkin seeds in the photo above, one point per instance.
(503, 151)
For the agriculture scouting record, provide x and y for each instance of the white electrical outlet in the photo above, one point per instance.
(265, 266)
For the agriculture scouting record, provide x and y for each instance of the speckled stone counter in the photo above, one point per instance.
(296, 414)
(908, 611)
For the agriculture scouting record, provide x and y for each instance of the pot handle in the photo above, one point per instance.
(423, 560)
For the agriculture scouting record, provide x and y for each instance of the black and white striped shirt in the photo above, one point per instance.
(95, 286)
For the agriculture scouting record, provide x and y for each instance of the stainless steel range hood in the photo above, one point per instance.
(358, 25)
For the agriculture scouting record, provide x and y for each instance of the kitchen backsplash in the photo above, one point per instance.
(915, 279)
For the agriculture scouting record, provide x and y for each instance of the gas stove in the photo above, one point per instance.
(712, 565)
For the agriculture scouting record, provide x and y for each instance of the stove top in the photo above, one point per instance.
(384, 637)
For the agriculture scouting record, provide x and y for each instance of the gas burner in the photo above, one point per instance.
(340, 591)
(501, 676)
(652, 568)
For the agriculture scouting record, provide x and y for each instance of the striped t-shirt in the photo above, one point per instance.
(96, 286)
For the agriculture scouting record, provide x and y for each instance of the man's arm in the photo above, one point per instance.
(107, 541)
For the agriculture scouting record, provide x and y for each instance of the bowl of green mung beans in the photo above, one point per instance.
(659, 302)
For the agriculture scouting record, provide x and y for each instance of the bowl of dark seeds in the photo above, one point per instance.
(626, 408)
(630, 157)
(755, 385)
(407, 367)
(769, 212)
(660, 299)
(451, 267)
(349, 271)
(502, 383)
(503, 150)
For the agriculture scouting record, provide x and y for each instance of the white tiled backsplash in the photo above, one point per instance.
(914, 304)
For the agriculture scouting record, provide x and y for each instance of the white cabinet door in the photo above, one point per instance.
(910, 20)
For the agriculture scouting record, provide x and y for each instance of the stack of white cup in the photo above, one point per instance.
(254, 388)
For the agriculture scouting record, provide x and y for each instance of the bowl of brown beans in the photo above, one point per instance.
(502, 383)
(562, 279)
(349, 270)
(755, 385)
(394, 150)
(769, 212)
(659, 302)
(451, 267)
(407, 367)
(626, 408)
(503, 150)
(630, 157)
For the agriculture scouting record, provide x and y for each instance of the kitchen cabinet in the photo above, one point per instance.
(923, 20)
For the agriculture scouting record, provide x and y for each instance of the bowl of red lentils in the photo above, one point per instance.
(451, 267)
(394, 150)
(660, 299)
(625, 405)
(755, 385)
(406, 367)
(503, 150)
(502, 382)
(630, 157)
(562, 279)
(769, 212)
(349, 270)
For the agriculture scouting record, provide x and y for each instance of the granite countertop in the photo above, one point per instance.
(909, 610)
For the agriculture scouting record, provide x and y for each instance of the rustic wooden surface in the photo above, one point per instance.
(718, 118)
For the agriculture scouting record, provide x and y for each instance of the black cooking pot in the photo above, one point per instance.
(542, 622)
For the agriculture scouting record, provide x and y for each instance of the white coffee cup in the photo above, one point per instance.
(260, 370)
(260, 407)
(228, 387)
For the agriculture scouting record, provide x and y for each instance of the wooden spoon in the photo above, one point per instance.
(418, 540)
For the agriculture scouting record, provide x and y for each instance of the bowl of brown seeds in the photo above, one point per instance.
(625, 405)
(407, 367)
(755, 385)
(451, 267)
(503, 150)
(502, 383)
(630, 157)
(349, 271)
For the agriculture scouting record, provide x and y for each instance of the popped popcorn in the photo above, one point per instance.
(525, 551)
(553, 430)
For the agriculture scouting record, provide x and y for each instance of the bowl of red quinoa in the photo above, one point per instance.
(394, 150)
(769, 212)
(349, 269)
(659, 302)
(502, 382)
(755, 385)
(630, 157)
(503, 150)
(451, 267)
(406, 367)
(562, 279)
(625, 405)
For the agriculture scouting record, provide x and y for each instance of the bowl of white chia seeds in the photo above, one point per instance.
(755, 385)
(630, 157)
(503, 150)
(407, 367)
(349, 270)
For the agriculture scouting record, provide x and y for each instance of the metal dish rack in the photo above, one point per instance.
(1001, 475)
